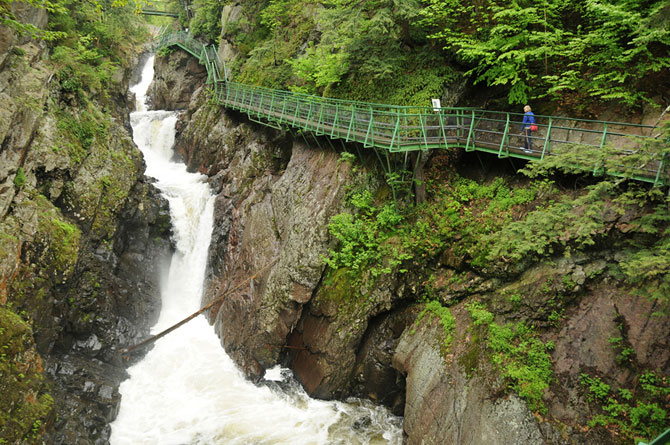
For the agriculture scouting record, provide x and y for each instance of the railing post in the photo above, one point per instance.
(444, 133)
(602, 141)
(335, 123)
(309, 116)
(260, 105)
(547, 139)
(660, 169)
(504, 136)
(320, 122)
(297, 106)
(470, 132)
(423, 130)
(351, 123)
(459, 124)
(283, 111)
(602, 144)
(237, 91)
(367, 135)
(395, 131)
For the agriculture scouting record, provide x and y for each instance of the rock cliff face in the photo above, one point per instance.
(371, 338)
(275, 199)
(81, 234)
(445, 405)
(176, 79)
(276, 195)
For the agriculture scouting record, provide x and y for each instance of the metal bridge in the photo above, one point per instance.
(159, 13)
(612, 148)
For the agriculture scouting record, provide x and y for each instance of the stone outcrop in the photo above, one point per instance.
(276, 196)
(81, 234)
(176, 78)
(275, 200)
(327, 348)
(444, 405)
(344, 337)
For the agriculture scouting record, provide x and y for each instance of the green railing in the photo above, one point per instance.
(663, 439)
(159, 13)
(624, 147)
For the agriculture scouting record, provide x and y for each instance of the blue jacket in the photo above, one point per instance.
(528, 120)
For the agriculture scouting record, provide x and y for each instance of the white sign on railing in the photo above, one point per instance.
(436, 105)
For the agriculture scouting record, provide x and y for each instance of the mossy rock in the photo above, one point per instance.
(25, 407)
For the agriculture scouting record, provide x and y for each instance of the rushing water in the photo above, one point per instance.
(187, 390)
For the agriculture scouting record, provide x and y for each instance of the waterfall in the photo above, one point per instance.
(187, 390)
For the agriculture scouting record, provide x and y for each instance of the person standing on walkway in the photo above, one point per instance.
(528, 121)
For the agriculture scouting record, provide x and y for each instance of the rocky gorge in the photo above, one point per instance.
(373, 337)
(82, 232)
(82, 235)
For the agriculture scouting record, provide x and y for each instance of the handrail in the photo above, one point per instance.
(397, 128)
(149, 11)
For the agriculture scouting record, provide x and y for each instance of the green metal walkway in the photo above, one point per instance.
(159, 13)
(627, 149)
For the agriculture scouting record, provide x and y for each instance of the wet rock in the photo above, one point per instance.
(324, 344)
(444, 405)
(80, 242)
(177, 77)
(374, 376)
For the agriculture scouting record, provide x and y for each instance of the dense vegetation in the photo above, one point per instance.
(499, 229)
(577, 54)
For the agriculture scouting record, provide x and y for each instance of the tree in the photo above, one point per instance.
(598, 48)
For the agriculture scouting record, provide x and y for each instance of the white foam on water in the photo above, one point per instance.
(187, 390)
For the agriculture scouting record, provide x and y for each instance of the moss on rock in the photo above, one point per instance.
(25, 407)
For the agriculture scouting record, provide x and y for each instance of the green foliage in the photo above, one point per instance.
(206, 21)
(624, 353)
(268, 37)
(640, 413)
(358, 37)
(345, 156)
(434, 308)
(10, 20)
(593, 48)
(648, 269)
(480, 316)
(373, 50)
(645, 262)
(20, 178)
(461, 215)
(521, 357)
(82, 129)
(59, 238)
(421, 75)
(555, 317)
(566, 225)
(95, 38)
(24, 406)
(363, 237)
(597, 390)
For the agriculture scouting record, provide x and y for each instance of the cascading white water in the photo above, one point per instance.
(187, 390)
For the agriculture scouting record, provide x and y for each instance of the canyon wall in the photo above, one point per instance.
(372, 337)
(82, 234)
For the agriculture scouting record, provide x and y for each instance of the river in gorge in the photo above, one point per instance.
(187, 390)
